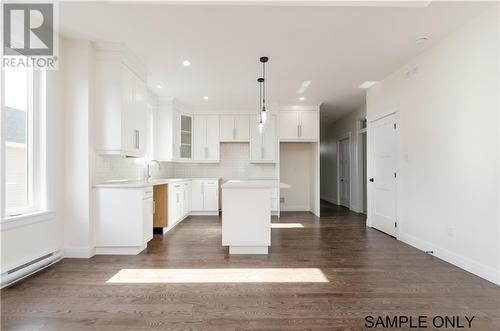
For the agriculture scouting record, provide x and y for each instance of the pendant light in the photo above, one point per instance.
(263, 112)
(261, 118)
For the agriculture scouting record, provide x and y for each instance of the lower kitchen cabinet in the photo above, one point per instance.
(160, 206)
(205, 196)
(124, 219)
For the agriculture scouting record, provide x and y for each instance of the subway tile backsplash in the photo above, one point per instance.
(234, 164)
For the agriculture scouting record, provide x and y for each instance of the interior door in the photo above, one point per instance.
(344, 175)
(308, 125)
(382, 175)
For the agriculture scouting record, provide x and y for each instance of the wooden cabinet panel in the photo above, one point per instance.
(160, 196)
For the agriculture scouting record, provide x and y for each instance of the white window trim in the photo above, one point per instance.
(37, 161)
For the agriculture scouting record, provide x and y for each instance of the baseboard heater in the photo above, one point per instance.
(27, 269)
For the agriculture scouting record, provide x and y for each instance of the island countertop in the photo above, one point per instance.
(253, 184)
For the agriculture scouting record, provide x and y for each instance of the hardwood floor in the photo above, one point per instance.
(367, 273)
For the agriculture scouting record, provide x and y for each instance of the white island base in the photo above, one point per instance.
(246, 216)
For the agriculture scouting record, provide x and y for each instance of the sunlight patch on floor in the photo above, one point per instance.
(286, 225)
(222, 275)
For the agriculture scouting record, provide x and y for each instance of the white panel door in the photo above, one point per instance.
(308, 129)
(227, 128)
(197, 195)
(241, 128)
(212, 152)
(289, 125)
(382, 175)
(344, 176)
(200, 137)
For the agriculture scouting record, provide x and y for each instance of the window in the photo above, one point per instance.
(21, 142)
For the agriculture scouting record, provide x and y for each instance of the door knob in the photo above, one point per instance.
(371, 180)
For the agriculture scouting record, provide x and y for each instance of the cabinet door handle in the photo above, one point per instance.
(154, 207)
(234, 133)
(138, 139)
(298, 130)
(262, 152)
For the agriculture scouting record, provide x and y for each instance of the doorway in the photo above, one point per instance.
(382, 174)
(343, 170)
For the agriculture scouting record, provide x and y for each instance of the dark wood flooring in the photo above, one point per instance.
(368, 273)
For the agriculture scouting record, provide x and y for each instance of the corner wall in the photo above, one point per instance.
(447, 103)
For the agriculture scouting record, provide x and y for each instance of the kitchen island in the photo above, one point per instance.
(246, 215)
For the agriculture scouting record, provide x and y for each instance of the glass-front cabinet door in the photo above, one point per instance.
(186, 137)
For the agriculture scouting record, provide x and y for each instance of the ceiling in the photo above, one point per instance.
(336, 48)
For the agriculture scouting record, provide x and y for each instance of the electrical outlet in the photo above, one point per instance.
(282, 199)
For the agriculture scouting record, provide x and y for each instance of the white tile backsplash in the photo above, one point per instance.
(234, 164)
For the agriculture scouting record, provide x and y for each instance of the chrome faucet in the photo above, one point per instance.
(148, 169)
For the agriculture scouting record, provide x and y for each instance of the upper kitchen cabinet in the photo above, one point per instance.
(184, 137)
(299, 125)
(235, 128)
(121, 115)
(206, 142)
(263, 145)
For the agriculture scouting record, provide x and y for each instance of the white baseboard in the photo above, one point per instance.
(79, 252)
(133, 250)
(295, 208)
(476, 268)
(204, 213)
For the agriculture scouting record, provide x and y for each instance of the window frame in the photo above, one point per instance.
(36, 147)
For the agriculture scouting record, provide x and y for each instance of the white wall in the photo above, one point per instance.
(448, 146)
(77, 66)
(331, 133)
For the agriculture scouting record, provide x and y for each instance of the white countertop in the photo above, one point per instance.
(253, 184)
(125, 183)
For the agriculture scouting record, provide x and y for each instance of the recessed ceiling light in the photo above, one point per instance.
(205, 98)
(367, 84)
(159, 86)
(302, 98)
(186, 63)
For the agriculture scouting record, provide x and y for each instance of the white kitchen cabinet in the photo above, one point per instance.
(299, 126)
(124, 219)
(206, 142)
(205, 196)
(184, 136)
(120, 100)
(263, 146)
(179, 202)
(234, 128)
(147, 215)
